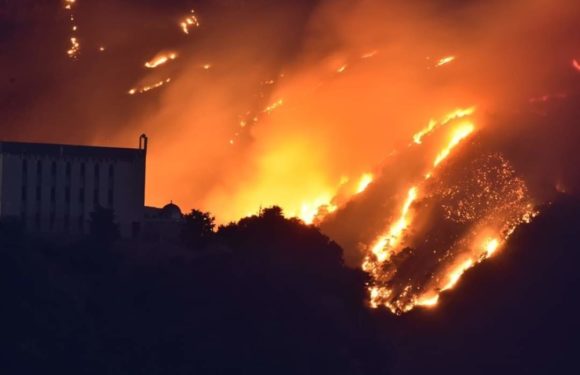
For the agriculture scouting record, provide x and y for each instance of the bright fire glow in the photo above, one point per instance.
(445, 60)
(458, 135)
(490, 246)
(385, 244)
(74, 49)
(451, 116)
(364, 182)
(188, 22)
(456, 274)
(160, 59)
(576, 64)
(144, 89)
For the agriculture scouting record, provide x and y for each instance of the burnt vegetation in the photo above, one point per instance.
(271, 295)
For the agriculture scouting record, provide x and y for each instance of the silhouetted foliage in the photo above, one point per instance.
(197, 229)
(273, 296)
(103, 227)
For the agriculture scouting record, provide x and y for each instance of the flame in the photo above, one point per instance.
(190, 21)
(342, 68)
(160, 59)
(364, 182)
(74, 49)
(445, 60)
(458, 135)
(428, 301)
(451, 116)
(490, 246)
(382, 266)
(383, 246)
(370, 54)
(456, 274)
(576, 64)
(144, 89)
(277, 104)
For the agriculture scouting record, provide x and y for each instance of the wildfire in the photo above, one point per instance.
(491, 199)
(445, 60)
(386, 243)
(458, 135)
(451, 116)
(272, 107)
(75, 46)
(144, 89)
(188, 22)
(364, 182)
(160, 59)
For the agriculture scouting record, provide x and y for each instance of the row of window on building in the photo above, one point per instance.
(63, 206)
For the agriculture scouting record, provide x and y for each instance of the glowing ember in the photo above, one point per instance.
(144, 89)
(368, 55)
(160, 59)
(75, 46)
(341, 68)
(272, 107)
(445, 60)
(188, 22)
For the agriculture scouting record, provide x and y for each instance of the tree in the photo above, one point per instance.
(197, 229)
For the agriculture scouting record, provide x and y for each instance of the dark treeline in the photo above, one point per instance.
(269, 295)
(265, 295)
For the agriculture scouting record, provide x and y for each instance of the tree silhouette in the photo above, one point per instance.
(197, 229)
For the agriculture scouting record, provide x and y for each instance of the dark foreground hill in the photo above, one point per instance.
(269, 295)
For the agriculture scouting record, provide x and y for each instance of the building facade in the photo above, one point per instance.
(53, 189)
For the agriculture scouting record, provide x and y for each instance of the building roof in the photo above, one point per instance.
(58, 150)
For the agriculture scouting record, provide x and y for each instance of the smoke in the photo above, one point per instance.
(356, 82)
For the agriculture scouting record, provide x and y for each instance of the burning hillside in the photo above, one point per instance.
(377, 121)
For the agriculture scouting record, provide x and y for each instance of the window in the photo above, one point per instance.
(68, 171)
(81, 223)
(53, 169)
(24, 171)
(82, 196)
(96, 197)
(51, 221)
(97, 173)
(110, 198)
(39, 171)
(67, 194)
(83, 174)
(24, 194)
(38, 194)
(52, 195)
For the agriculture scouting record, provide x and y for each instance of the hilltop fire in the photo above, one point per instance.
(416, 135)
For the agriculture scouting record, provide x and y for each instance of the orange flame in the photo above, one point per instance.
(364, 182)
(160, 59)
(445, 60)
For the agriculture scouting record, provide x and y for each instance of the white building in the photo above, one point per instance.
(54, 188)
